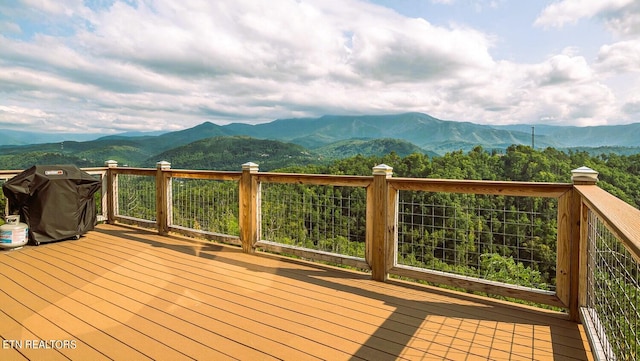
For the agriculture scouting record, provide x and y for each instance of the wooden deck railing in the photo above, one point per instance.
(607, 272)
(583, 212)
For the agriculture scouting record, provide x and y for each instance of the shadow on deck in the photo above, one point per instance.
(125, 293)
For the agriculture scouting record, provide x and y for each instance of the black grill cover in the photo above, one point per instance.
(55, 201)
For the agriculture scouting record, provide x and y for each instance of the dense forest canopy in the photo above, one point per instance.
(618, 174)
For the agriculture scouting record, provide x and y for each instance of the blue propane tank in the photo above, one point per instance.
(13, 233)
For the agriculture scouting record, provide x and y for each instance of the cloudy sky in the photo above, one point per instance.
(109, 66)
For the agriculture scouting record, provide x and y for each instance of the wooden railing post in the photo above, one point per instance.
(564, 249)
(379, 210)
(112, 191)
(163, 202)
(248, 194)
(579, 242)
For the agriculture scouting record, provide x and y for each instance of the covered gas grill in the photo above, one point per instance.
(55, 201)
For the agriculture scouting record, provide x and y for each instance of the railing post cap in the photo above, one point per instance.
(163, 164)
(383, 169)
(250, 166)
(584, 175)
(111, 163)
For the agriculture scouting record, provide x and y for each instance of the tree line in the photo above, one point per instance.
(618, 174)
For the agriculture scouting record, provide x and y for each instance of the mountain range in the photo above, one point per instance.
(311, 139)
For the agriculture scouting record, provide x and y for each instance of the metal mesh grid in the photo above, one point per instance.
(97, 197)
(3, 203)
(137, 196)
(322, 218)
(499, 238)
(206, 205)
(613, 292)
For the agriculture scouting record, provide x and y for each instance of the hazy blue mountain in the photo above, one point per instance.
(330, 135)
(420, 129)
(131, 135)
(17, 137)
(186, 136)
(437, 135)
(126, 150)
(627, 135)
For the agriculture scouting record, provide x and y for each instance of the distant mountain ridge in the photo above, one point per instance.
(627, 135)
(18, 137)
(330, 136)
(420, 129)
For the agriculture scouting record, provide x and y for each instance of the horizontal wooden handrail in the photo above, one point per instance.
(315, 179)
(10, 171)
(523, 189)
(204, 174)
(134, 171)
(622, 219)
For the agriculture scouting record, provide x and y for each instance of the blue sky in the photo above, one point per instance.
(511, 23)
(112, 66)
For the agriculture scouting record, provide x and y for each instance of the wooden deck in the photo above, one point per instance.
(128, 294)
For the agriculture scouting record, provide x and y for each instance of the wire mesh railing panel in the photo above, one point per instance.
(137, 196)
(321, 218)
(3, 203)
(613, 292)
(98, 196)
(205, 205)
(498, 238)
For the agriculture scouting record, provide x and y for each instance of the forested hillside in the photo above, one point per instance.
(619, 174)
(229, 153)
(352, 147)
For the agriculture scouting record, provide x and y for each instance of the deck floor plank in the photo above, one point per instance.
(126, 293)
(13, 333)
(160, 334)
(85, 306)
(243, 310)
(187, 304)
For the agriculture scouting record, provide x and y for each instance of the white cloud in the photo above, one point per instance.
(218, 49)
(561, 88)
(562, 69)
(620, 16)
(55, 7)
(168, 64)
(16, 111)
(620, 57)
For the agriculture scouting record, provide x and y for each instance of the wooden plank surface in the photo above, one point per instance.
(125, 293)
